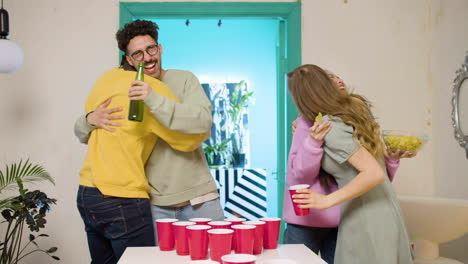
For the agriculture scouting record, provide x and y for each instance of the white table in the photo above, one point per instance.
(141, 255)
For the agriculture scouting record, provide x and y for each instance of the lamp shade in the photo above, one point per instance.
(11, 56)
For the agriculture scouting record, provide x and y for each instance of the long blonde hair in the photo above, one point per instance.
(313, 91)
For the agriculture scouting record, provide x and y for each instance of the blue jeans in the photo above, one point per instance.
(210, 209)
(317, 239)
(113, 224)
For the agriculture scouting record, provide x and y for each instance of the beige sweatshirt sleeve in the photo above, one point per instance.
(82, 129)
(191, 116)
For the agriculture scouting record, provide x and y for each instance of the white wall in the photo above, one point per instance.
(382, 49)
(450, 164)
(401, 54)
(66, 45)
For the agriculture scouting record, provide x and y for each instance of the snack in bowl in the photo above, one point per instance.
(402, 140)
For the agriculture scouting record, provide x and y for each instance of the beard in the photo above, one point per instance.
(156, 70)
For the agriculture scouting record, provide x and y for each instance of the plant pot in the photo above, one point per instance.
(238, 160)
(217, 160)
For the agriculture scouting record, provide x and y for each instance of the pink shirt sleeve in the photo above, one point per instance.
(303, 168)
(392, 166)
(304, 157)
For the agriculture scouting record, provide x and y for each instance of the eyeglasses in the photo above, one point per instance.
(150, 50)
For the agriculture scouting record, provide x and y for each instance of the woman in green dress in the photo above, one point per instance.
(372, 229)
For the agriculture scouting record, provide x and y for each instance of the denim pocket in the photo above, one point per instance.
(109, 217)
(144, 209)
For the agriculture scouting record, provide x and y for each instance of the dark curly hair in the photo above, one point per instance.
(131, 30)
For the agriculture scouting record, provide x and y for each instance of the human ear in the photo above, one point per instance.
(129, 60)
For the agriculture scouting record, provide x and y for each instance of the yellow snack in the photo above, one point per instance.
(409, 143)
(319, 117)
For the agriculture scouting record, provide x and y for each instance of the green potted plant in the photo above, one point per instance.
(216, 153)
(29, 207)
(238, 103)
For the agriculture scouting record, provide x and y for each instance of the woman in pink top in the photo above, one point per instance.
(317, 230)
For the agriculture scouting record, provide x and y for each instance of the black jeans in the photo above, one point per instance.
(113, 224)
(317, 239)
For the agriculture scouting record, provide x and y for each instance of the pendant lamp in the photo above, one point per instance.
(11, 55)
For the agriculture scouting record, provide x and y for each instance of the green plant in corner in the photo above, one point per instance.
(216, 152)
(29, 207)
(237, 104)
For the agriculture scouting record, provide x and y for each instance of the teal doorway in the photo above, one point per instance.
(286, 19)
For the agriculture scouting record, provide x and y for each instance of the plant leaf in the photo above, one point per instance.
(52, 250)
(26, 171)
(7, 215)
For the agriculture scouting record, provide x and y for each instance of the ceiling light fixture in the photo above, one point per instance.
(11, 55)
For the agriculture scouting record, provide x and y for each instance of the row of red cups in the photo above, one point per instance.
(243, 259)
(231, 259)
(192, 237)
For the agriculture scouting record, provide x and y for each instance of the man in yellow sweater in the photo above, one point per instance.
(113, 196)
(181, 185)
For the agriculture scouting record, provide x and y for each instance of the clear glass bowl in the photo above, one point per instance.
(404, 140)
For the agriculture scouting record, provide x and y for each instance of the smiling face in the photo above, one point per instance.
(145, 49)
(341, 84)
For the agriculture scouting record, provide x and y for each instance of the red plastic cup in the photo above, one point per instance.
(180, 237)
(238, 259)
(198, 241)
(245, 238)
(203, 261)
(165, 233)
(293, 190)
(219, 224)
(271, 232)
(200, 221)
(235, 221)
(220, 242)
(258, 240)
(279, 261)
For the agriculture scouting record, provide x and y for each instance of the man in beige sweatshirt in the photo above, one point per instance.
(181, 184)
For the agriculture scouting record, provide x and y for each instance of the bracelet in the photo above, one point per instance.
(86, 118)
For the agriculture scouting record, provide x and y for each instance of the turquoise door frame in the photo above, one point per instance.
(288, 54)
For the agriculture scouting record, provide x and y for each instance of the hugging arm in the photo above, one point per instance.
(306, 152)
(370, 175)
(99, 118)
(192, 115)
(341, 147)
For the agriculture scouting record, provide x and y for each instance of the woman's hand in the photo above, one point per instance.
(310, 199)
(319, 130)
(398, 154)
(294, 125)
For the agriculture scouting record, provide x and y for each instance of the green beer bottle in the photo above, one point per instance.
(135, 112)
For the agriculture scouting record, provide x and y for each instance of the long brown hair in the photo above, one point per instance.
(314, 91)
